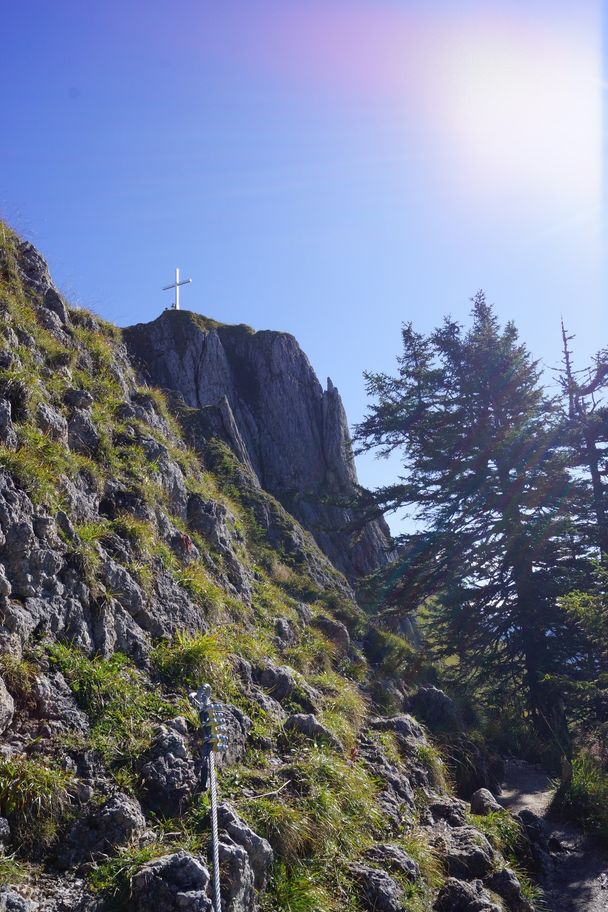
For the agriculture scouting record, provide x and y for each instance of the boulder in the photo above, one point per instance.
(283, 683)
(172, 883)
(452, 810)
(237, 726)
(78, 398)
(483, 803)
(168, 774)
(506, 884)
(56, 702)
(435, 709)
(467, 853)
(456, 896)
(51, 422)
(379, 891)
(82, 433)
(8, 435)
(98, 834)
(5, 833)
(405, 727)
(54, 302)
(398, 793)
(218, 525)
(393, 858)
(238, 892)
(536, 841)
(308, 725)
(258, 849)
(5, 586)
(284, 631)
(334, 631)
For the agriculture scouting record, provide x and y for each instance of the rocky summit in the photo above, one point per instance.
(176, 507)
(258, 392)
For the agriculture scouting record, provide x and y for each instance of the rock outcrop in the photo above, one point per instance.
(259, 392)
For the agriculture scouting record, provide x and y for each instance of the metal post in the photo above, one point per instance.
(211, 718)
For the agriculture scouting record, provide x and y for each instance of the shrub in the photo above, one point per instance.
(11, 871)
(503, 831)
(37, 464)
(432, 761)
(137, 532)
(338, 797)
(344, 707)
(313, 654)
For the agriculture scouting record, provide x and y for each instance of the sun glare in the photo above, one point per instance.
(522, 109)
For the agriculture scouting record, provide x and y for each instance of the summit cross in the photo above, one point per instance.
(176, 285)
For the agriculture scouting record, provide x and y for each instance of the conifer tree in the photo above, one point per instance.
(485, 474)
(585, 424)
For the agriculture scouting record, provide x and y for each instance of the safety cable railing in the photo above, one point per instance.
(213, 723)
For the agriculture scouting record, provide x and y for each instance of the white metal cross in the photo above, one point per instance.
(176, 285)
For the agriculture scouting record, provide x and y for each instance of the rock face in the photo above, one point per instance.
(259, 392)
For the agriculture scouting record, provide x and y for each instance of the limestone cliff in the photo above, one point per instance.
(260, 393)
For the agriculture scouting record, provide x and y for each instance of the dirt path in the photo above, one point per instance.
(578, 880)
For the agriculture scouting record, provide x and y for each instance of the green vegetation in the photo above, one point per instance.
(37, 463)
(11, 870)
(430, 757)
(503, 831)
(19, 675)
(319, 808)
(297, 889)
(112, 878)
(390, 653)
(327, 810)
(120, 704)
(585, 797)
(505, 835)
(187, 661)
(344, 706)
(34, 795)
(509, 488)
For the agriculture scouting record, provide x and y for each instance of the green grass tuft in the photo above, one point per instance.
(34, 796)
(585, 797)
(191, 659)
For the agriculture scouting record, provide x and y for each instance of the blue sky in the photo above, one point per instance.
(326, 167)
